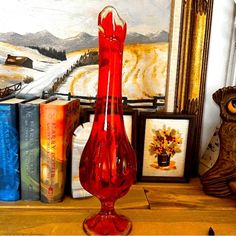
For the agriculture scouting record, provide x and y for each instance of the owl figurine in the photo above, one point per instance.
(220, 180)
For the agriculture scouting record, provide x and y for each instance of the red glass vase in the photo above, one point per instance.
(108, 162)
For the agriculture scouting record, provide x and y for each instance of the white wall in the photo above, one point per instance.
(219, 56)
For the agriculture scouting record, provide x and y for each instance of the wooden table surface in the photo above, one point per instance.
(155, 209)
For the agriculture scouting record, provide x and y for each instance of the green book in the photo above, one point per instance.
(29, 149)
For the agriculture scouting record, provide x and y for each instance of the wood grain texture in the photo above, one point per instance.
(186, 197)
(145, 222)
(175, 209)
(135, 199)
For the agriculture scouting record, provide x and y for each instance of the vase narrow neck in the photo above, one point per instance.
(111, 36)
(112, 32)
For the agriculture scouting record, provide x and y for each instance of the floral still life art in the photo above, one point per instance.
(166, 142)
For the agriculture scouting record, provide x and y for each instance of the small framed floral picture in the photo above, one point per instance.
(165, 147)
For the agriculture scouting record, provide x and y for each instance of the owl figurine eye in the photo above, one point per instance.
(231, 106)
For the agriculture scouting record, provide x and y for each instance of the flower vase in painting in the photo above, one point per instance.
(165, 144)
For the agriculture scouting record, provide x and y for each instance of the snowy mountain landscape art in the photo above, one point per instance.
(55, 35)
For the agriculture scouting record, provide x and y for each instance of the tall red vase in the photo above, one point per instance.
(108, 162)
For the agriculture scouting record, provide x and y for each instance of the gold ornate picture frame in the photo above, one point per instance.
(196, 26)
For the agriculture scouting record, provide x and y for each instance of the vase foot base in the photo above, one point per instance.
(107, 224)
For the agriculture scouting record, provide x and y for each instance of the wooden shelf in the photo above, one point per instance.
(155, 209)
(135, 199)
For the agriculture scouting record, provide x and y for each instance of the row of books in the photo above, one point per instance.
(35, 147)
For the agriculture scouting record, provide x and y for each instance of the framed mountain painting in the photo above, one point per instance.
(59, 38)
(56, 34)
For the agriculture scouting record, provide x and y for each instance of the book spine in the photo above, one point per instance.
(29, 151)
(52, 156)
(9, 153)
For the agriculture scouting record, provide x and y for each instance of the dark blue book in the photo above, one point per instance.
(9, 150)
(29, 149)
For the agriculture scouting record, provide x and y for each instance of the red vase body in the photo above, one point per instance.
(108, 163)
